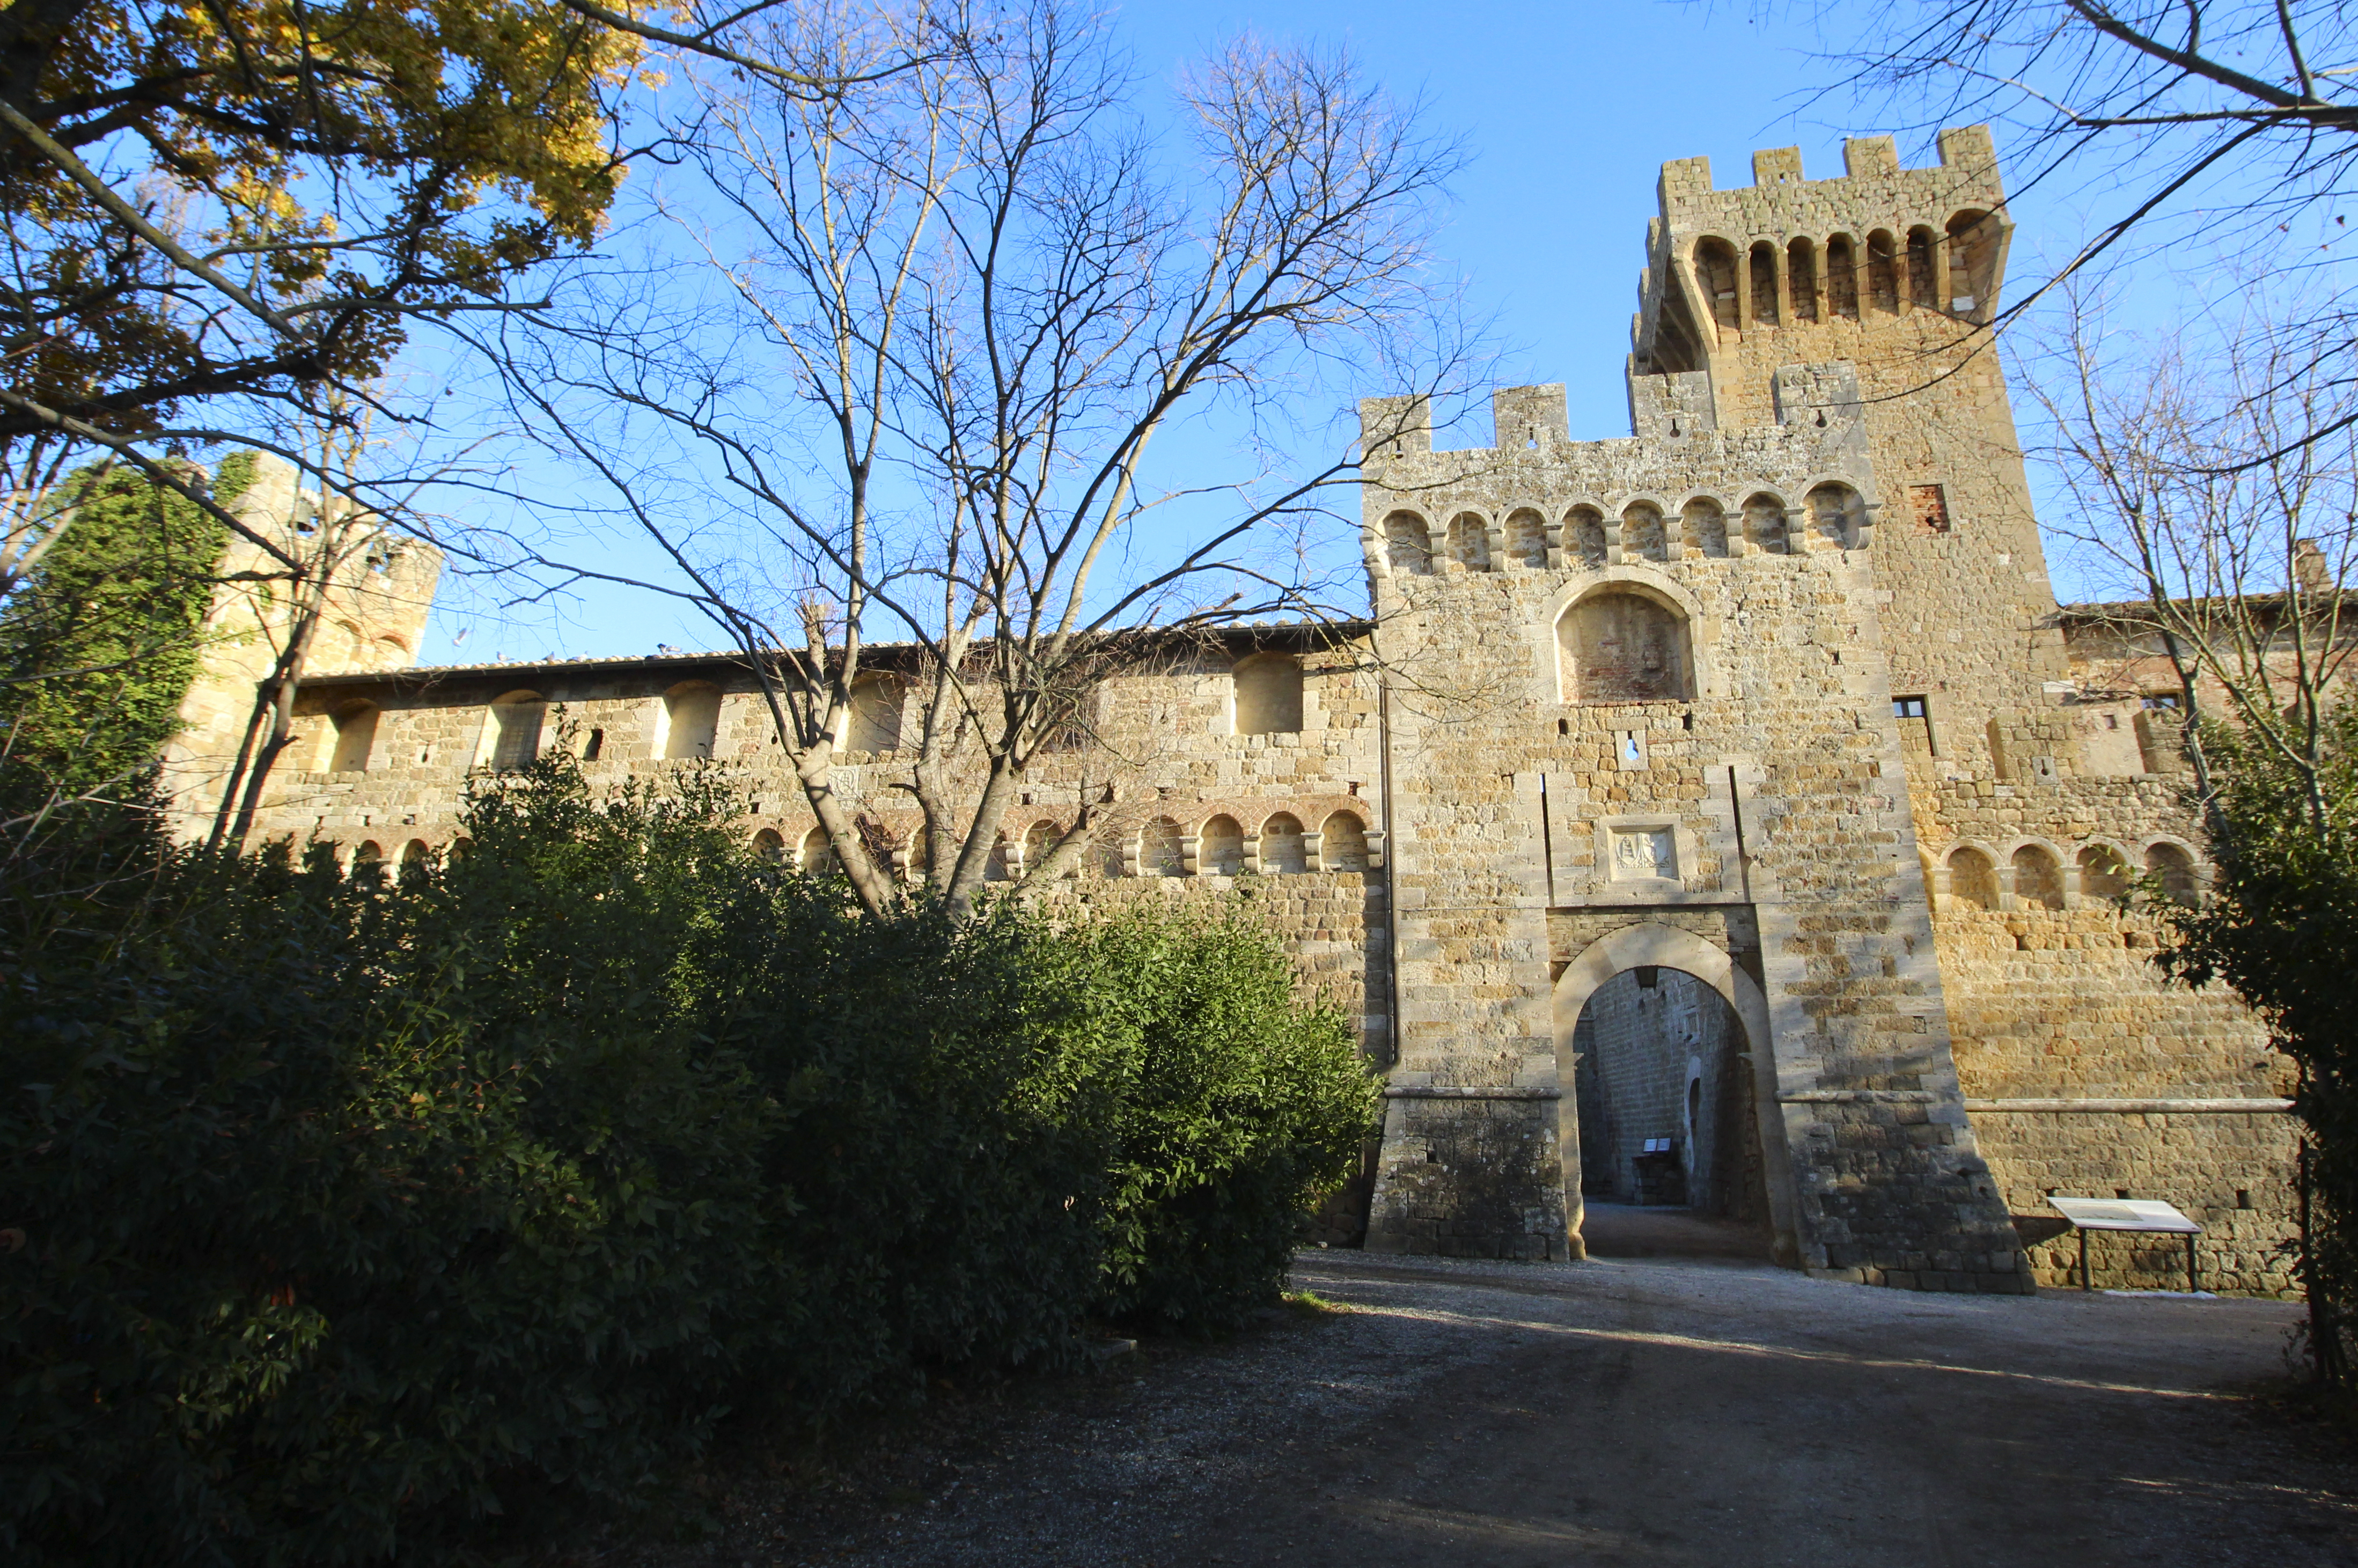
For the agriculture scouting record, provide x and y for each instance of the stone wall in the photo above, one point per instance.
(1772, 693)
(2054, 996)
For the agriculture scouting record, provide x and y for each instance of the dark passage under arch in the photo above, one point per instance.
(1670, 1159)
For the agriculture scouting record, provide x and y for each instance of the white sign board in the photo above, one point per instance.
(2125, 1213)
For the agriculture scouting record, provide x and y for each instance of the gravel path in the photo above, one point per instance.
(1653, 1412)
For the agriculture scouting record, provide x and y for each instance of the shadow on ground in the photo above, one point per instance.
(1663, 1410)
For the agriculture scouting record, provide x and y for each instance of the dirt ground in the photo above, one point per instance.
(1660, 1409)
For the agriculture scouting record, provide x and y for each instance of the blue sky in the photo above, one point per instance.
(1568, 111)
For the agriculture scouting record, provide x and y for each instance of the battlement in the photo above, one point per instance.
(1967, 155)
(1877, 244)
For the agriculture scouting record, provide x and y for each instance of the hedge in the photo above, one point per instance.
(336, 1213)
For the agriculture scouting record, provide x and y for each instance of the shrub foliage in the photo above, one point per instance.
(2277, 927)
(335, 1211)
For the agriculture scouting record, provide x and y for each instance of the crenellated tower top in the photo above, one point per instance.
(1787, 253)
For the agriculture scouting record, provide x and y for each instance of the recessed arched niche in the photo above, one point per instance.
(1407, 543)
(1704, 521)
(1837, 514)
(1583, 533)
(1624, 645)
(1527, 537)
(1972, 879)
(1469, 541)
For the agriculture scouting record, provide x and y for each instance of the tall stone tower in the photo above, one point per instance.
(372, 617)
(1896, 273)
(1648, 712)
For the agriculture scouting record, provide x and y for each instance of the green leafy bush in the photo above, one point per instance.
(332, 1211)
(1241, 1101)
(2277, 927)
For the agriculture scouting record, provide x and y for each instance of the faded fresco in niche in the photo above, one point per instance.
(1622, 647)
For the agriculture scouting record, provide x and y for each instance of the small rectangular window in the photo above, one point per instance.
(1930, 504)
(2162, 700)
(596, 744)
(1915, 717)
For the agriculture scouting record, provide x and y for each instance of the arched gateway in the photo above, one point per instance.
(1646, 945)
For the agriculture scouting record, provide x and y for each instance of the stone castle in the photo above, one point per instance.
(1725, 815)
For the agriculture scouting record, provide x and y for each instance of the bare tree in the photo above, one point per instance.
(2191, 492)
(350, 513)
(948, 321)
(2229, 124)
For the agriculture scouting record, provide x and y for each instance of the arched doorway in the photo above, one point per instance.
(1667, 1122)
(1669, 1145)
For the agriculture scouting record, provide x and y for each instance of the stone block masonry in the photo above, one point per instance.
(1772, 694)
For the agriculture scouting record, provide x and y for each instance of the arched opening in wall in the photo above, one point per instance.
(368, 862)
(1158, 849)
(1622, 645)
(1268, 695)
(1764, 284)
(1715, 263)
(995, 866)
(817, 858)
(1642, 534)
(354, 736)
(1923, 283)
(1764, 525)
(416, 860)
(1039, 843)
(770, 846)
(2174, 868)
(876, 701)
(515, 731)
(457, 850)
(1882, 272)
(1842, 277)
(390, 653)
(1407, 543)
(1704, 522)
(1670, 1159)
(1801, 278)
(1972, 261)
(1527, 537)
(1972, 879)
(1343, 843)
(1469, 541)
(1583, 533)
(1220, 848)
(2103, 872)
(2038, 879)
(1283, 852)
(691, 720)
(1837, 514)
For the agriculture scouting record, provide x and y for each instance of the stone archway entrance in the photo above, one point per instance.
(1663, 1050)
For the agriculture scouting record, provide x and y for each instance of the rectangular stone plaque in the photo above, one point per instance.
(1646, 854)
